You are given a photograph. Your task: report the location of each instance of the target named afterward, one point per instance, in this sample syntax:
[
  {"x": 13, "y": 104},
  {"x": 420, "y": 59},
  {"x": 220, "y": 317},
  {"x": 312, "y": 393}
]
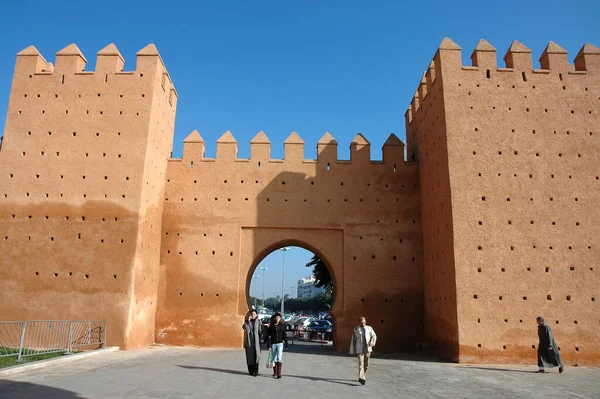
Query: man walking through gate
[{"x": 362, "y": 344}]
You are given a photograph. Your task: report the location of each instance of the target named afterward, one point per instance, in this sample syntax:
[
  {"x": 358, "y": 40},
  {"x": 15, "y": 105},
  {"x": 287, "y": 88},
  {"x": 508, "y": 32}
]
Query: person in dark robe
[
  {"x": 548, "y": 354},
  {"x": 252, "y": 335}
]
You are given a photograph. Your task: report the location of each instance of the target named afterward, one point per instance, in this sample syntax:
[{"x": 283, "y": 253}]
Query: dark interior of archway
[{"x": 303, "y": 280}]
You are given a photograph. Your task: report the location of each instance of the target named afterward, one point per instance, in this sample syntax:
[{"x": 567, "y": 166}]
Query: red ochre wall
[
  {"x": 520, "y": 149},
  {"x": 223, "y": 215},
  {"x": 487, "y": 224},
  {"x": 83, "y": 162}
]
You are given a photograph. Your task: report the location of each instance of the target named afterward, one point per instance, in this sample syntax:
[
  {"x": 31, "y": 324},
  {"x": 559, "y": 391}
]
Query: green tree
[
  {"x": 255, "y": 301},
  {"x": 322, "y": 276},
  {"x": 273, "y": 302}
]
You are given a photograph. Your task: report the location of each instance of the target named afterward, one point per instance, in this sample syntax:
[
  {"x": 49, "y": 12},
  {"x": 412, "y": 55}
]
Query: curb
[{"x": 51, "y": 362}]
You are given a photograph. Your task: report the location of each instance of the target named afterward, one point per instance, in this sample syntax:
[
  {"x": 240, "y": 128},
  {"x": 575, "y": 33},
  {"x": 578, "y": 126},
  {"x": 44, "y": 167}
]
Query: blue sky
[
  {"x": 295, "y": 268},
  {"x": 282, "y": 66}
]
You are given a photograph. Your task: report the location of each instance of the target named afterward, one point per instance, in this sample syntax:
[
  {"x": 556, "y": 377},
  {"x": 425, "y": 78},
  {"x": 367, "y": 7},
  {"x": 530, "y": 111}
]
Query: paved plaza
[{"x": 309, "y": 372}]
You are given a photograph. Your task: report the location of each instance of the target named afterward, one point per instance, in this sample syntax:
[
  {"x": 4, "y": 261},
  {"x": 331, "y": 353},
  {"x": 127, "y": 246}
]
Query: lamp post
[
  {"x": 255, "y": 308},
  {"x": 284, "y": 250},
  {"x": 263, "y": 296}
]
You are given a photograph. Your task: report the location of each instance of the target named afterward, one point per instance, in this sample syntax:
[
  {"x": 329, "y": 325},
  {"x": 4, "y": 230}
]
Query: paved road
[{"x": 168, "y": 372}]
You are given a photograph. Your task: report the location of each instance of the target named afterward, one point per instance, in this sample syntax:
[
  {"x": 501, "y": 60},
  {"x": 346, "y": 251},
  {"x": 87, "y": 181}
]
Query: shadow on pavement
[
  {"x": 15, "y": 389},
  {"x": 310, "y": 348},
  {"x": 332, "y": 380},
  {"x": 238, "y": 372},
  {"x": 500, "y": 369}
]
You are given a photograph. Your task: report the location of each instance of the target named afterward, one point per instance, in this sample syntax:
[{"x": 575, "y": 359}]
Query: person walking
[
  {"x": 252, "y": 335},
  {"x": 272, "y": 320},
  {"x": 548, "y": 353},
  {"x": 277, "y": 337},
  {"x": 362, "y": 344}
]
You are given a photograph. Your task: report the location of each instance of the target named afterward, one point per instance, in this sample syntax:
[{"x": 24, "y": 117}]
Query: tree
[
  {"x": 273, "y": 303},
  {"x": 255, "y": 301},
  {"x": 322, "y": 276}
]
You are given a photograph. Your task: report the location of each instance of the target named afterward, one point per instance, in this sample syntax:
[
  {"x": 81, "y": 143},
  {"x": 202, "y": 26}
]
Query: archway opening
[{"x": 298, "y": 283}]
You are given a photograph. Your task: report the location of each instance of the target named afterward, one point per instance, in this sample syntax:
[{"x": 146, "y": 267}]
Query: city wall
[
  {"x": 222, "y": 216},
  {"x": 509, "y": 164},
  {"x": 83, "y": 163},
  {"x": 489, "y": 221}
]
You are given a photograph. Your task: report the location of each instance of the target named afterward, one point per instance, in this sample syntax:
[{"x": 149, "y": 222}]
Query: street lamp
[
  {"x": 255, "y": 308},
  {"x": 263, "y": 270},
  {"x": 284, "y": 250}
]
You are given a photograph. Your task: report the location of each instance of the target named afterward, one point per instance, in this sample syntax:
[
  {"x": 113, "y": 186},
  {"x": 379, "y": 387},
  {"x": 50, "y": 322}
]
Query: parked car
[
  {"x": 300, "y": 327},
  {"x": 318, "y": 328},
  {"x": 265, "y": 322}
]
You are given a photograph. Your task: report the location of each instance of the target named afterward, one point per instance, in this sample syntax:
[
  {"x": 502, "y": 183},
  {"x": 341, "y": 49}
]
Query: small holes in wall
[
  {"x": 549, "y": 297},
  {"x": 87, "y": 276}
]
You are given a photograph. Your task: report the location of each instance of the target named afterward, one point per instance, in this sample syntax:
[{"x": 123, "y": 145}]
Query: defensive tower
[
  {"x": 83, "y": 160},
  {"x": 509, "y": 190}
]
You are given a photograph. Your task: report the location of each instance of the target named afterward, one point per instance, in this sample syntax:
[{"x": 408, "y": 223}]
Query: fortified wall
[
  {"x": 509, "y": 189},
  {"x": 222, "y": 216},
  {"x": 488, "y": 223},
  {"x": 83, "y": 162}
]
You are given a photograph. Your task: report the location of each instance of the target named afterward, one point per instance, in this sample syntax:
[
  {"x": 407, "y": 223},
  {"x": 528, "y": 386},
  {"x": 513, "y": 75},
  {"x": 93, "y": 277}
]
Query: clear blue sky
[
  {"x": 290, "y": 65},
  {"x": 295, "y": 268}
]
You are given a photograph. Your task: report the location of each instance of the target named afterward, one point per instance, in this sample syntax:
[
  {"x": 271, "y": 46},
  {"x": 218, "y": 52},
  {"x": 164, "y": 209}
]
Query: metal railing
[
  {"x": 37, "y": 337},
  {"x": 306, "y": 335}
]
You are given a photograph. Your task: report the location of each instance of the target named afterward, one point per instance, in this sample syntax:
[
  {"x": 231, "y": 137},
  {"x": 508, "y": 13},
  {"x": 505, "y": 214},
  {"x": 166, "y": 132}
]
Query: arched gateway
[
  {"x": 493, "y": 221},
  {"x": 222, "y": 216}
]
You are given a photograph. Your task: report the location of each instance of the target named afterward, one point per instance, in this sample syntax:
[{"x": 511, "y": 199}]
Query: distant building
[{"x": 307, "y": 289}]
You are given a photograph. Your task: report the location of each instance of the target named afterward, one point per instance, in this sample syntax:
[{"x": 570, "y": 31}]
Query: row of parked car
[{"x": 303, "y": 327}]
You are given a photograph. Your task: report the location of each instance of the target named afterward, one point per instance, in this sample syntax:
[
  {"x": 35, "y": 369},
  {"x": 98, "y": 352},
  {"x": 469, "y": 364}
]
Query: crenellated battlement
[
  {"x": 518, "y": 61},
  {"x": 194, "y": 149},
  {"x": 71, "y": 61}
]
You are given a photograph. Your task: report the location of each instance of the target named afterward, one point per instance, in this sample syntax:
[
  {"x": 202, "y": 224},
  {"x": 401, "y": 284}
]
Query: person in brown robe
[
  {"x": 252, "y": 335},
  {"x": 548, "y": 353}
]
